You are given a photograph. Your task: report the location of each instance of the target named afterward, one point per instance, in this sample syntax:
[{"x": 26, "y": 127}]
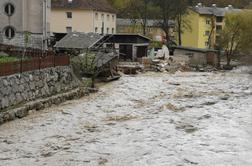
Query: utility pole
[{"x": 44, "y": 42}]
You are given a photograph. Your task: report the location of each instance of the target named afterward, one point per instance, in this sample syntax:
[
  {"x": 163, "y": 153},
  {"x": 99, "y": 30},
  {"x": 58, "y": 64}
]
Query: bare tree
[
  {"x": 181, "y": 23},
  {"x": 166, "y": 14},
  {"x": 141, "y": 10}
]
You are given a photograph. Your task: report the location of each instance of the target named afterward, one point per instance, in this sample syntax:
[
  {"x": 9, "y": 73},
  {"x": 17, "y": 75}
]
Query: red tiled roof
[{"x": 99, "y": 5}]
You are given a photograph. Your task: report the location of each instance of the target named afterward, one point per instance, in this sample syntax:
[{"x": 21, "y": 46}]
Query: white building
[
  {"x": 25, "y": 22},
  {"x": 83, "y": 16}
]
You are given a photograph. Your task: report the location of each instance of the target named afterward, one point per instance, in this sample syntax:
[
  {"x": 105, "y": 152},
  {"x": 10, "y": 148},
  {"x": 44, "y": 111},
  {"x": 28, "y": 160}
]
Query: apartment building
[
  {"x": 25, "y": 23},
  {"x": 95, "y": 16},
  {"x": 206, "y": 24}
]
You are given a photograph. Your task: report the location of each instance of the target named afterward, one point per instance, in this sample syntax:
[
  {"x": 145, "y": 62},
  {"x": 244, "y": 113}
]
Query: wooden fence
[
  {"x": 35, "y": 60},
  {"x": 35, "y": 63}
]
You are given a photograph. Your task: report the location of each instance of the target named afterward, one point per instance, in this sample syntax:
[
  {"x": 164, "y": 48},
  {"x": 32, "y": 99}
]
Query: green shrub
[
  {"x": 156, "y": 44},
  {"x": 83, "y": 64}
]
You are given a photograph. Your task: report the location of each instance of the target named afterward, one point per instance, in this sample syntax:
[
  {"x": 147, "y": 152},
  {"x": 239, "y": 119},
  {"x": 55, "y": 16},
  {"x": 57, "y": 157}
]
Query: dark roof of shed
[
  {"x": 216, "y": 11},
  {"x": 78, "y": 40},
  {"x": 99, "y": 5},
  {"x": 128, "y": 39}
]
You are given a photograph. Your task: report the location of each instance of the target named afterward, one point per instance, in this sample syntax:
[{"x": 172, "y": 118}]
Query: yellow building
[
  {"x": 206, "y": 24},
  {"x": 95, "y": 16},
  {"x": 153, "y": 31}
]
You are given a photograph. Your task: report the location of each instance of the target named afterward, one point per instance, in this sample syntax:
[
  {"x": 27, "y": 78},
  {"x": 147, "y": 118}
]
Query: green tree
[
  {"x": 236, "y": 36},
  {"x": 121, "y": 6}
]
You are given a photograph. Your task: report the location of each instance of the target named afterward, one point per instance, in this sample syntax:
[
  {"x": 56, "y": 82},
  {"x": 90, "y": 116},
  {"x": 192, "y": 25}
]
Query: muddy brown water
[{"x": 152, "y": 119}]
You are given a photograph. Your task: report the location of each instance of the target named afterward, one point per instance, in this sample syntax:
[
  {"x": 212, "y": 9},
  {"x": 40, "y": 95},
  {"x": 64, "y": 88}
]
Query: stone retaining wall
[
  {"x": 29, "y": 86},
  {"x": 40, "y": 104}
]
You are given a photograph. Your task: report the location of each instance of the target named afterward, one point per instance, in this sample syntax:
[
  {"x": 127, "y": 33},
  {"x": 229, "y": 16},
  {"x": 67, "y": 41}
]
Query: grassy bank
[{"x": 7, "y": 59}]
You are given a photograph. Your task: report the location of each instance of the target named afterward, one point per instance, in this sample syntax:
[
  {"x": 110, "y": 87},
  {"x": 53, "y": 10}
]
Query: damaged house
[
  {"x": 97, "y": 59},
  {"x": 130, "y": 47}
]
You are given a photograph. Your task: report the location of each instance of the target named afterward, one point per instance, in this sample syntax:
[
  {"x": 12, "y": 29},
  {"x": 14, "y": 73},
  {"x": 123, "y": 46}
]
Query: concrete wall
[
  {"x": 37, "y": 84},
  {"x": 82, "y": 21},
  {"x": 35, "y": 15},
  {"x": 16, "y": 19},
  {"x": 28, "y": 17},
  {"x": 35, "y": 40},
  {"x": 195, "y": 58}
]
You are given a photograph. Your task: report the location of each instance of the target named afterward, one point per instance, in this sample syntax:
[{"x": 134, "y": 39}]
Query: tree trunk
[
  {"x": 179, "y": 31},
  {"x": 228, "y": 59},
  {"x": 167, "y": 34},
  {"x": 219, "y": 59},
  {"x": 144, "y": 28},
  {"x": 145, "y": 18}
]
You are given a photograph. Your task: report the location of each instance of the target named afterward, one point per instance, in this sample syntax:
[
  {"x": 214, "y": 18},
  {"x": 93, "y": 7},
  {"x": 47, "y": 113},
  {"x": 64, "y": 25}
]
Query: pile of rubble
[
  {"x": 178, "y": 63},
  {"x": 130, "y": 67},
  {"x": 169, "y": 65}
]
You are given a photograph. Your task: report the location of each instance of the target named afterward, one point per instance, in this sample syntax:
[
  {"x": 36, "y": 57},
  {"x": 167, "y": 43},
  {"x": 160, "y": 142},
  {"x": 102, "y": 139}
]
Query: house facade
[
  {"x": 86, "y": 16},
  {"x": 153, "y": 31},
  {"x": 206, "y": 24},
  {"x": 25, "y": 23}
]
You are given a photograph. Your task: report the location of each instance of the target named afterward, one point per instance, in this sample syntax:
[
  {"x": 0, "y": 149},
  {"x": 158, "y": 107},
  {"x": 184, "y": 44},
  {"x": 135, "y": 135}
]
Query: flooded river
[{"x": 152, "y": 119}]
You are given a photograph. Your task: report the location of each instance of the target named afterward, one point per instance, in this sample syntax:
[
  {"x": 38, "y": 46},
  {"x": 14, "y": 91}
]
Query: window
[
  {"x": 218, "y": 39},
  {"x": 69, "y": 14},
  {"x": 9, "y": 9},
  {"x": 219, "y": 19},
  {"x": 113, "y": 18},
  {"x": 113, "y": 31},
  {"x": 206, "y": 43},
  {"x": 107, "y": 30},
  {"x": 207, "y": 33},
  {"x": 102, "y": 16},
  {"x": 9, "y": 32},
  {"x": 96, "y": 30},
  {"x": 68, "y": 29},
  {"x": 102, "y": 30},
  {"x": 96, "y": 16},
  {"x": 108, "y": 17},
  {"x": 208, "y": 21},
  {"x": 218, "y": 27}
]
